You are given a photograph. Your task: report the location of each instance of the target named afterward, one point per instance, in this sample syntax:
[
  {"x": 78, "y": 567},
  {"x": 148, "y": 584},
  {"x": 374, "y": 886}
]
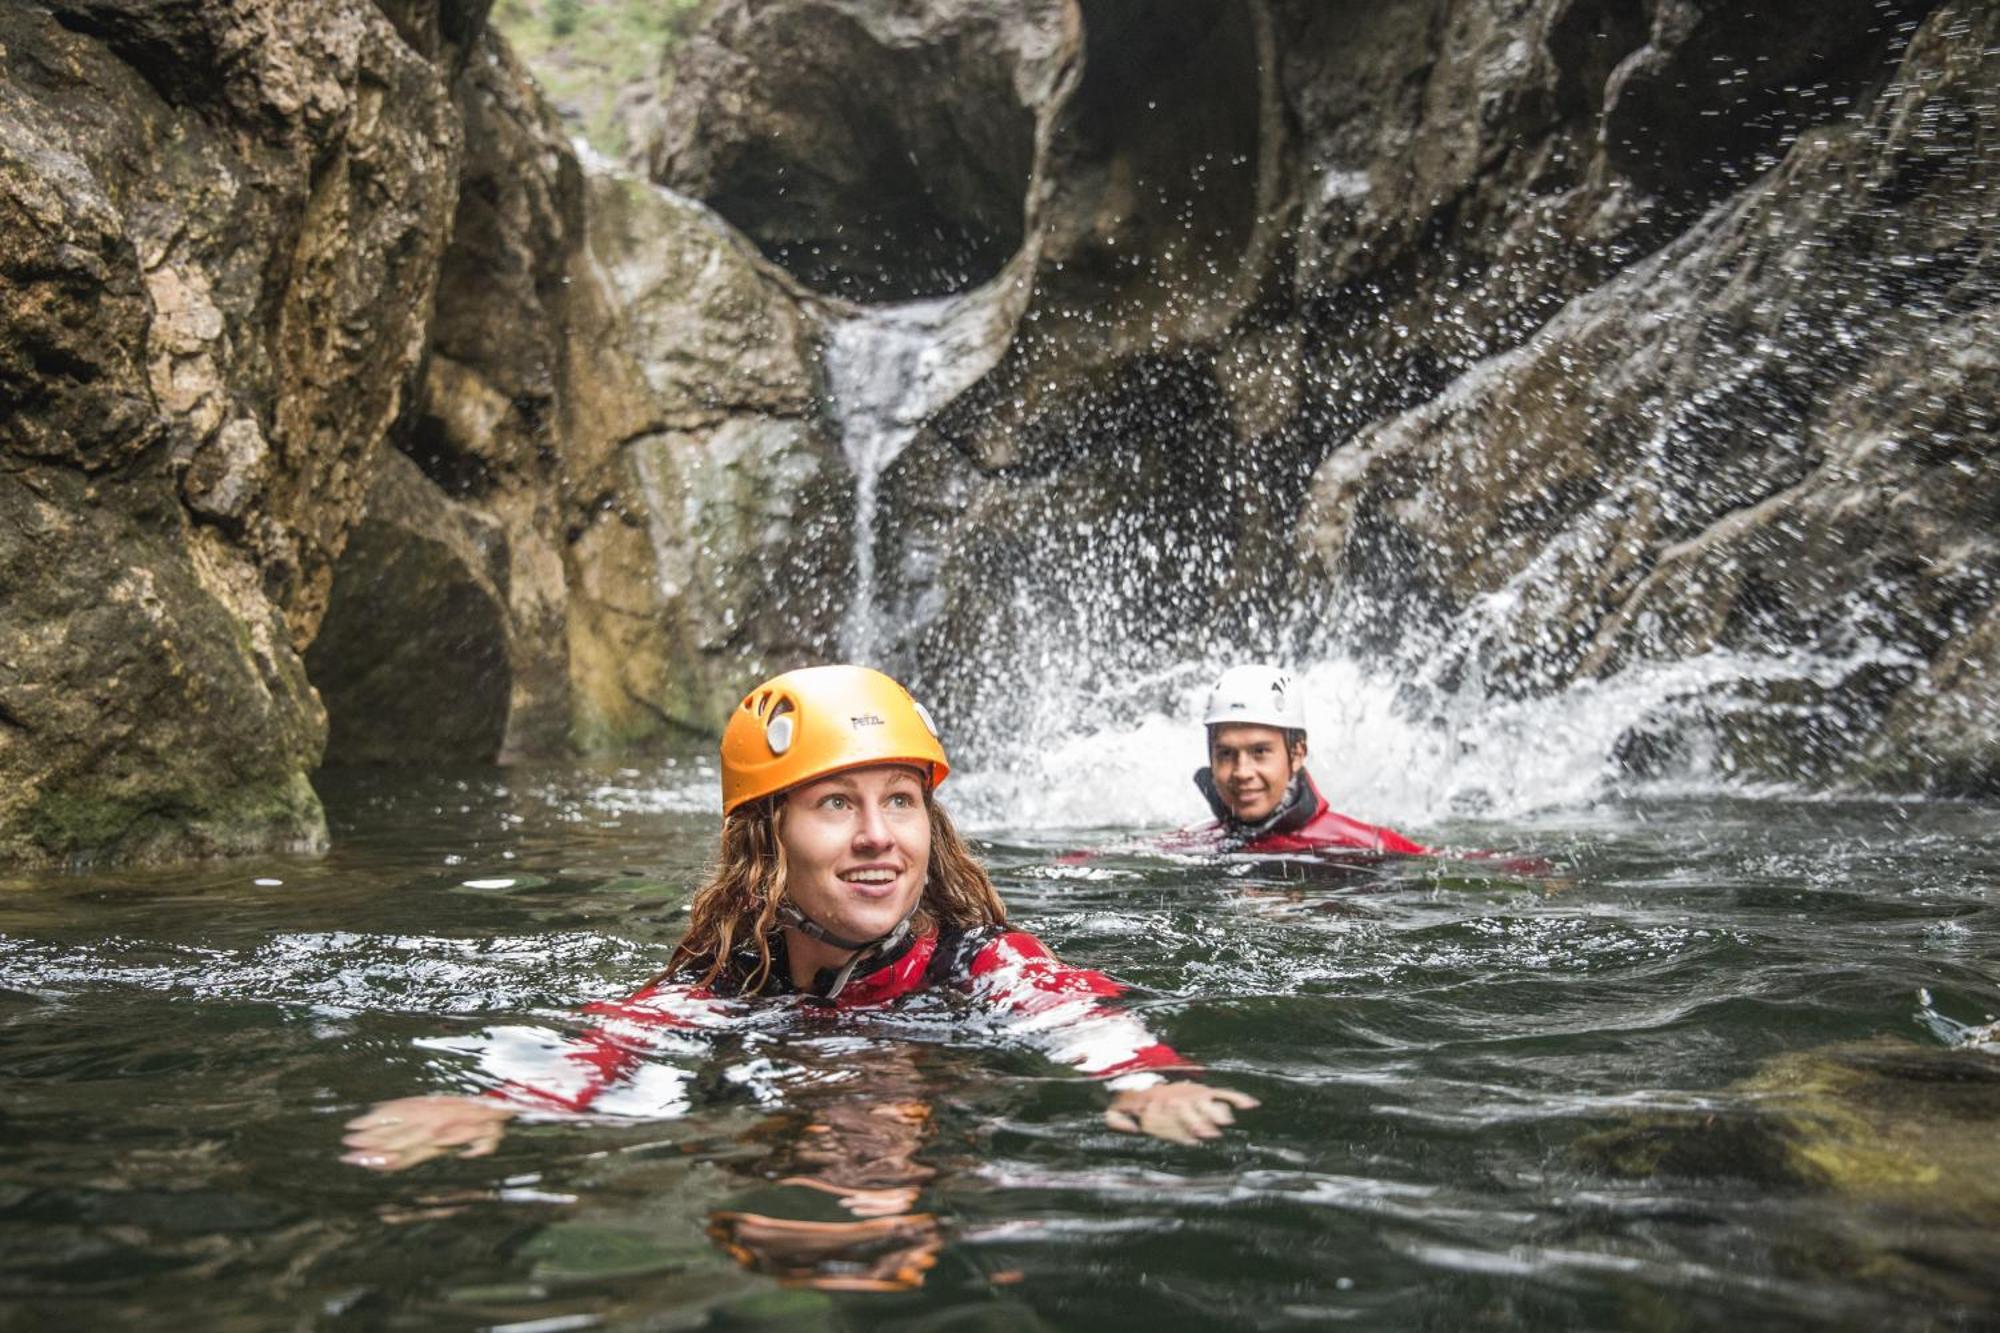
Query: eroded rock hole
[
  {"x": 1587, "y": 40},
  {"x": 873, "y": 170},
  {"x": 1157, "y": 158}
]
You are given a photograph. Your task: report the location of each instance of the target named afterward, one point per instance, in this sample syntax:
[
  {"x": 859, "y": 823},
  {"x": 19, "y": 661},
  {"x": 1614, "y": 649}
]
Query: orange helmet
[{"x": 808, "y": 723}]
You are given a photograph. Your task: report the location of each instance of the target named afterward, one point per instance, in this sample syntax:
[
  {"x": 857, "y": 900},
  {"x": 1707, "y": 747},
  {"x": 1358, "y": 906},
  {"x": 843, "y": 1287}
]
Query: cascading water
[{"x": 888, "y": 370}]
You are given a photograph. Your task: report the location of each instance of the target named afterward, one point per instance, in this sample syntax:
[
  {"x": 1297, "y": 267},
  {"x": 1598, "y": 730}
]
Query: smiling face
[
  {"x": 856, "y": 848},
  {"x": 1252, "y": 767}
]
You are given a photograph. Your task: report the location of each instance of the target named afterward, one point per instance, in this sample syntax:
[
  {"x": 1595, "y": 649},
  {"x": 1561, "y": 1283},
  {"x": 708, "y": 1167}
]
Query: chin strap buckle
[{"x": 790, "y": 915}]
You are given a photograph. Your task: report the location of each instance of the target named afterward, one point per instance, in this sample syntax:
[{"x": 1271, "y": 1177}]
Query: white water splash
[{"x": 1381, "y": 750}]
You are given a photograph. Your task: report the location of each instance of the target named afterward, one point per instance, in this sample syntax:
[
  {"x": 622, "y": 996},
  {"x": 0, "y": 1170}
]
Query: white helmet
[{"x": 1259, "y": 695}]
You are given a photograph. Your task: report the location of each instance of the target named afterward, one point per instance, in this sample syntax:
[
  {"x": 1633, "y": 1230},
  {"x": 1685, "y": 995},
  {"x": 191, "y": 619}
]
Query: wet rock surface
[
  {"x": 1435, "y": 185},
  {"x": 1464, "y": 170},
  {"x": 219, "y": 227},
  {"x": 1772, "y": 438}
]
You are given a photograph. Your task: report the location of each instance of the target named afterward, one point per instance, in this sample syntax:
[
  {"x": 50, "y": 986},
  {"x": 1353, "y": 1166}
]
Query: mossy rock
[
  {"x": 789, "y": 1309},
  {"x": 1884, "y": 1123},
  {"x": 588, "y": 1252}
]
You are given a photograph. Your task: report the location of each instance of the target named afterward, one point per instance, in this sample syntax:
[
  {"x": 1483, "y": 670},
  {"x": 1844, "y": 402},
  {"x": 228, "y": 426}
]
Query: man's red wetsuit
[
  {"x": 1064, "y": 1011},
  {"x": 1303, "y": 822}
]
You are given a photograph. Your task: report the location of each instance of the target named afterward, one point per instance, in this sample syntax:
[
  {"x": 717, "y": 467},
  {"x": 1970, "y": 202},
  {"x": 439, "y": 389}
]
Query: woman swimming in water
[{"x": 840, "y": 883}]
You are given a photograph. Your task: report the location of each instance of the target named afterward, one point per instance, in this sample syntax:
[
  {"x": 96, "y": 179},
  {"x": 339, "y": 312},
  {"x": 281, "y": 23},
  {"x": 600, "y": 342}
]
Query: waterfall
[{"x": 888, "y": 370}]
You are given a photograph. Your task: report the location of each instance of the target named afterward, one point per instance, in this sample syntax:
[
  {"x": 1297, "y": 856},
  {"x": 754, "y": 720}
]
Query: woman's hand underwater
[
  {"x": 1179, "y": 1112},
  {"x": 401, "y": 1133}
]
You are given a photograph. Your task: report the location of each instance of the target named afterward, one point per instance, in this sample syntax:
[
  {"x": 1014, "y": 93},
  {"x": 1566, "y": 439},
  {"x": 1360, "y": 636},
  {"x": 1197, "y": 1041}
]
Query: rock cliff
[
  {"x": 219, "y": 233},
  {"x": 329, "y": 436}
]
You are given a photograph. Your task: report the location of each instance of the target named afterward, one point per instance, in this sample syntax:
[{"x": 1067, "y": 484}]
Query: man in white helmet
[{"x": 1256, "y": 780}]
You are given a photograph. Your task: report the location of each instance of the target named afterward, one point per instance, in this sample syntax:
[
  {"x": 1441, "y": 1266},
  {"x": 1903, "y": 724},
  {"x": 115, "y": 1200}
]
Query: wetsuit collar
[{"x": 1301, "y": 802}]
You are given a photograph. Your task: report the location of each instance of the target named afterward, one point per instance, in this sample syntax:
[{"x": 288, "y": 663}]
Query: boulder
[
  {"x": 444, "y": 32},
  {"x": 1937, "y": 735},
  {"x": 624, "y": 392}
]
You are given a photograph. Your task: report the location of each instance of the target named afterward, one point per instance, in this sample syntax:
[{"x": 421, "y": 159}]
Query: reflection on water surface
[{"x": 1719, "y": 1068}]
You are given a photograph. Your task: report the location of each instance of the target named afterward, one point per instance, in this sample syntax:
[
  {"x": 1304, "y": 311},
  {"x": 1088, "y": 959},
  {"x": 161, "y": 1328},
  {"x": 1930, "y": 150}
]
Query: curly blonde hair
[{"x": 736, "y": 908}]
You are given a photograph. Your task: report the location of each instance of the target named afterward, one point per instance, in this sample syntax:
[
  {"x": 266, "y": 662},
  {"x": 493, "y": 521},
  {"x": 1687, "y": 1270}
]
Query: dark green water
[{"x": 1715, "y": 1074}]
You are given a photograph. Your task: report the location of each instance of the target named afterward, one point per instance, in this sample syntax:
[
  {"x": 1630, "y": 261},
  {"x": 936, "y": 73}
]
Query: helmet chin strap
[{"x": 790, "y": 915}]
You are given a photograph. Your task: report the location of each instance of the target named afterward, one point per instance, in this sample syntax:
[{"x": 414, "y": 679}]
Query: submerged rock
[
  {"x": 1903, "y": 1132},
  {"x": 1886, "y": 1122}
]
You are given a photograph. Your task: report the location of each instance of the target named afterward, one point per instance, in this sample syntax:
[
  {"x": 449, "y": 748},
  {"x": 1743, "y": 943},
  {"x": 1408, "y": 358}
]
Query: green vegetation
[{"x": 589, "y": 54}]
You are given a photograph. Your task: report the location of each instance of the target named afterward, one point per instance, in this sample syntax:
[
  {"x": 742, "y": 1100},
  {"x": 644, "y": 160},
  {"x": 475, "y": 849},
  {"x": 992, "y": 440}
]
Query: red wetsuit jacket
[
  {"x": 1303, "y": 822},
  {"x": 1065, "y": 1011}
]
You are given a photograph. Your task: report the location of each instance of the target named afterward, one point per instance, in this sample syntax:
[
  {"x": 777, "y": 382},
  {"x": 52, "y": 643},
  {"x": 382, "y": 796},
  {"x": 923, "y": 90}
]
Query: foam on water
[{"x": 334, "y": 971}]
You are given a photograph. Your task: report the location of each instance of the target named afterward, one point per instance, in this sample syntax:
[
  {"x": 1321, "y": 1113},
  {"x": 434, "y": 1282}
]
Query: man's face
[{"x": 1252, "y": 767}]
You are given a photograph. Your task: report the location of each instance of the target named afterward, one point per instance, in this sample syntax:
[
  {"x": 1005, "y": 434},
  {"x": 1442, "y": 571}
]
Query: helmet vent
[
  {"x": 925, "y": 714},
  {"x": 778, "y": 727}
]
